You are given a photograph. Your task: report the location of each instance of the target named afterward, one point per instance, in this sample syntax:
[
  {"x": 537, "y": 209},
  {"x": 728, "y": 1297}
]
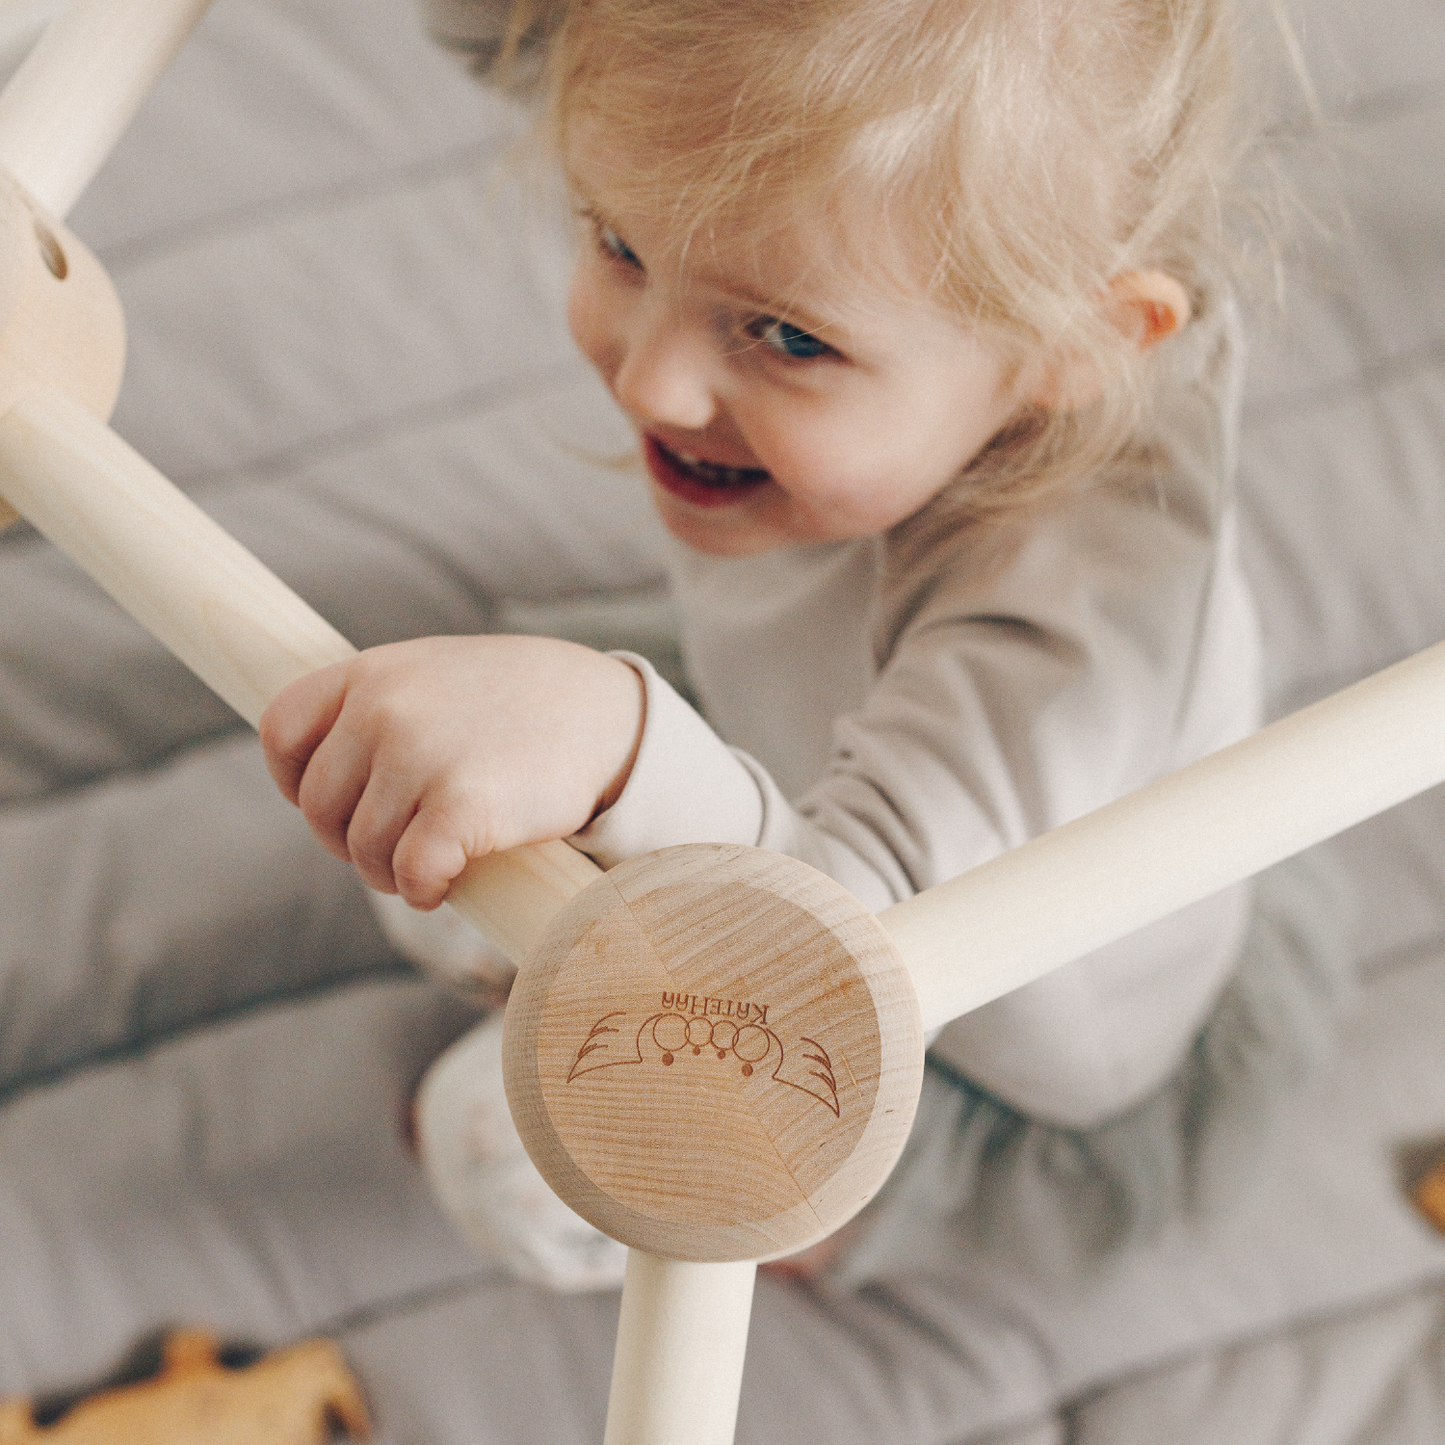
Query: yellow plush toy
[{"x": 295, "y": 1396}]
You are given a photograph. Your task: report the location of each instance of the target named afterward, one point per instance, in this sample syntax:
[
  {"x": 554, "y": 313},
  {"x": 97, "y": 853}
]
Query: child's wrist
[{"x": 632, "y": 715}]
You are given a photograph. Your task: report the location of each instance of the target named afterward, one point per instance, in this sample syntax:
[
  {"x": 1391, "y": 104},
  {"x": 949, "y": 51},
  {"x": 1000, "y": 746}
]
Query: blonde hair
[{"x": 1023, "y": 153}]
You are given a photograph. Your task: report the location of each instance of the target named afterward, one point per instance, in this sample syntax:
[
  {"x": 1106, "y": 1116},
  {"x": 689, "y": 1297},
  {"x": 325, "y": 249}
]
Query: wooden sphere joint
[
  {"x": 61, "y": 324},
  {"x": 714, "y": 1053}
]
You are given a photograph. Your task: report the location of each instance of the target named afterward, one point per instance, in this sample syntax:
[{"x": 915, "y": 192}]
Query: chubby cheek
[{"x": 836, "y": 485}]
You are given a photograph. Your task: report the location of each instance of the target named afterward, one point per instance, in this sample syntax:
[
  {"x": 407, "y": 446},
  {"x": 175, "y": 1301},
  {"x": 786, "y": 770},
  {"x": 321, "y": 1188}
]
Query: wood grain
[{"x": 714, "y": 1054}]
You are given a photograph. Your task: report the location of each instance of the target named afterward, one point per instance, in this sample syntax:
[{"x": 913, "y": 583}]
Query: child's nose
[{"x": 663, "y": 379}]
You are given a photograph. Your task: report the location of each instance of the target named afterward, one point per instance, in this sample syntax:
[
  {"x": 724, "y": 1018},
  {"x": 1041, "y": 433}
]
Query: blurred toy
[
  {"x": 296, "y": 1396},
  {"x": 1428, "y": 1195}
]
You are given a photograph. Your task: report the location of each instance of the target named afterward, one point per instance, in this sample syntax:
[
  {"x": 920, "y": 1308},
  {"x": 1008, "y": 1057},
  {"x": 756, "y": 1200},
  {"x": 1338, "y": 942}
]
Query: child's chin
[{"x": 715, "y": 535}]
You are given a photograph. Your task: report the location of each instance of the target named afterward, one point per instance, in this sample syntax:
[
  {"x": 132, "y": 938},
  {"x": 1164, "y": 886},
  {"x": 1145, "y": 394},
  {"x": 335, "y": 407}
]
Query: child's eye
[
  {"x": 790, "y": 340},
  {"x": 613, "y": 246}
]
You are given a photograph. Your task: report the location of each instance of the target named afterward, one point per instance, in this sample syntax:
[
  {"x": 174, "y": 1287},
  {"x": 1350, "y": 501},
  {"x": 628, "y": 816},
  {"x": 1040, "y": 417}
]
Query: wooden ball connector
[
  {"x": 714, "y": 1053},
  {"x": 61, "y": 324}
]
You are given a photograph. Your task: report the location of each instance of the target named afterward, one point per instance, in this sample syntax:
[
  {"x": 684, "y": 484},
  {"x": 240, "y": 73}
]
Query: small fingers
[
  {"x": 429, "y": 855},
  {"x": 297, "y": 721},
  {"x": 371, "y": 831},
  {"x": 331, "y": 789}
]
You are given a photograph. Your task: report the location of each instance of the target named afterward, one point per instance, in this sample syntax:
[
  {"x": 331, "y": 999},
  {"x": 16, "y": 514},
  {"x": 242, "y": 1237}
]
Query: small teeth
[{"x": 714, "y": 474}]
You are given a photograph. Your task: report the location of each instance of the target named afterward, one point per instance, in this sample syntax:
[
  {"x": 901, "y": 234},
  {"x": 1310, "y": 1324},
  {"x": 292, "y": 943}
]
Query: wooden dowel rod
[
  {"x": 967, "y": 941},
  {"x": 1293, "y": 784},
  {"x": 226, "y": 616},
  {"x": 681, "y": 1339},
  {"x": 683, "y": 1331},
  {"x": 67, "y": 104}
]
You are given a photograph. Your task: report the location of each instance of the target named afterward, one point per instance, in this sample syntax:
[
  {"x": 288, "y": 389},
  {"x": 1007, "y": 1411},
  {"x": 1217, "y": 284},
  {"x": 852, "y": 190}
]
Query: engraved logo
[{"x": 735, "y": 1033}]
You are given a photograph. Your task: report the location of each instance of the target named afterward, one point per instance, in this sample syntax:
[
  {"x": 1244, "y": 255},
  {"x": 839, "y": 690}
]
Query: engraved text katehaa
[{"x": 696, "y": 1003}]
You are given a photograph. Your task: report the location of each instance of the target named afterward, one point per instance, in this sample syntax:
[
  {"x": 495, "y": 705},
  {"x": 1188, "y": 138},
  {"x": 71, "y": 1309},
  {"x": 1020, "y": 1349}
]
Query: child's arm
[
  {"x": 1001, "y": 711},
  {"x": 1075, "y": 1048},
  {"x": 1118, "y": 645},
  {"x": 413, "y": 758}
]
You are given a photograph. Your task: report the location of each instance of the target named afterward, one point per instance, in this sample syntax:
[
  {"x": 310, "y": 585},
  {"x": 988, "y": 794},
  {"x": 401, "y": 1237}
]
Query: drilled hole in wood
[{"x": 51, "y": 253}]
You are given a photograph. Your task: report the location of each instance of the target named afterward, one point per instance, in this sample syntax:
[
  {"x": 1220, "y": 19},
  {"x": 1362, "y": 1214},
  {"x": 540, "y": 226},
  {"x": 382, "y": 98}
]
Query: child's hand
[{"x": 411, "y": 759}]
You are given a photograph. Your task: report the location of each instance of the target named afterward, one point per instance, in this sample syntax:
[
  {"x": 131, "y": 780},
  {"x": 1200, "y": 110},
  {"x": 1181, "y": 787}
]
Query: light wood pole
[
  {"x": 1224, "y": 818},
  {"x": 68, "y": 103},
  {"x": 712, "y": 1052}
]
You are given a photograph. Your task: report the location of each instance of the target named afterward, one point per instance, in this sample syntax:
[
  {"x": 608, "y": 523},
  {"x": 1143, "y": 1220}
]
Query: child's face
[{"x": 774, "y": 409}]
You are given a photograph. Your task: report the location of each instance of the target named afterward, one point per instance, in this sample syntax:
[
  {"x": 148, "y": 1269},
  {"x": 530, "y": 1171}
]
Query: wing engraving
[
  {"x": 596, "y": 1050},
  {"x": 818, "y": 1081}
]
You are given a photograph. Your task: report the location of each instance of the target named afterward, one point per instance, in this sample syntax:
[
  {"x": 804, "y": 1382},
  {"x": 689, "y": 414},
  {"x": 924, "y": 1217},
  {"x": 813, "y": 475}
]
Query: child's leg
[{"x": 487, "y": 1184}]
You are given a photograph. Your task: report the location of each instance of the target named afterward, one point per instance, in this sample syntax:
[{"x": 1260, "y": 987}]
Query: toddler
[{"x": 920, "y": 311}]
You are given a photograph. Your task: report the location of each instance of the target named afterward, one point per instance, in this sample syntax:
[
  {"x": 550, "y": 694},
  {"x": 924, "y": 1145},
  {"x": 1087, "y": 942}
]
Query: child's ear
[
  {"x": 1144, "y": 307},
  {"x": 1147, "y": 306}
]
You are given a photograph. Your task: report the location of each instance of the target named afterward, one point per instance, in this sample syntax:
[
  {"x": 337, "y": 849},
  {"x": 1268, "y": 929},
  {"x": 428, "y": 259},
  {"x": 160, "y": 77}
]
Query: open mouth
[{"x": 703, "y": 483}]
